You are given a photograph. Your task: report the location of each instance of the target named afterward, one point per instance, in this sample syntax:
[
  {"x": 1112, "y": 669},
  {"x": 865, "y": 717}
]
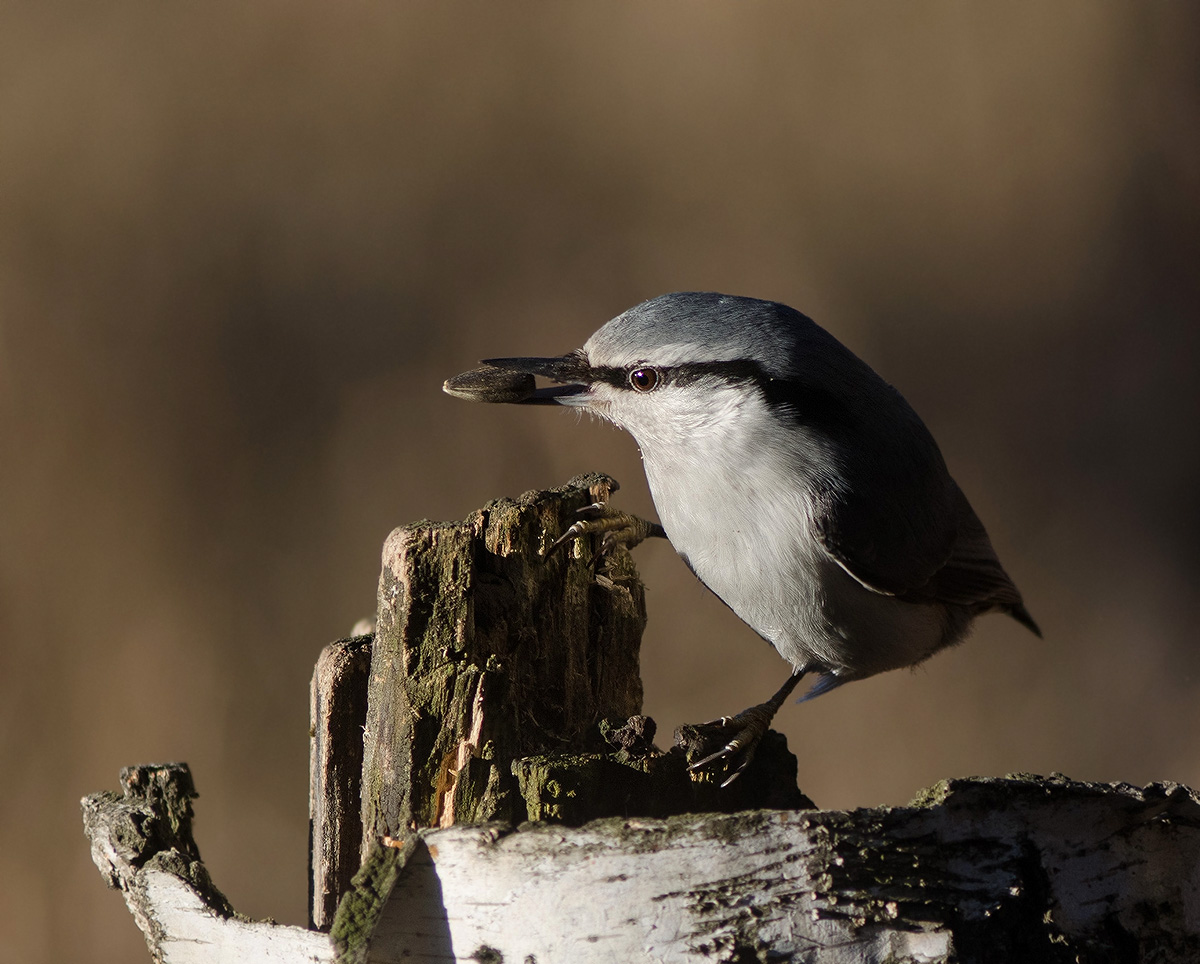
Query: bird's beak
[{"x": 571, "y": 372}]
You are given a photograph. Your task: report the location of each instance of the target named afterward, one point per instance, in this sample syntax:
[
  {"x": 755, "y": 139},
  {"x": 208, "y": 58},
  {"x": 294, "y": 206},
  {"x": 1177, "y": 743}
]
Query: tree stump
[
  {"x": 489, "y": 649},
  {"x": 503, "y": 685},
  {"x": 484, "y": 752}
]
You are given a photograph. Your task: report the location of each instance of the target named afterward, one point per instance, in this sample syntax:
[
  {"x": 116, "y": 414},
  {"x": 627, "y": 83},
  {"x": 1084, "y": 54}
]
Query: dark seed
[{"x": 489, "y": 384}]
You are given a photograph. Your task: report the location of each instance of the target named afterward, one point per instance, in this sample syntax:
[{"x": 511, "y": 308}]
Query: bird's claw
[
  {"x": 748, "y": 729},
  {"x": 616, "y": 528}
]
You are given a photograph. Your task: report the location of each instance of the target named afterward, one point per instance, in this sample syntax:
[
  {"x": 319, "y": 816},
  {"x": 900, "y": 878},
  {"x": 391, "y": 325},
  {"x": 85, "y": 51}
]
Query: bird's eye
[{"x": 643, "y": 379}]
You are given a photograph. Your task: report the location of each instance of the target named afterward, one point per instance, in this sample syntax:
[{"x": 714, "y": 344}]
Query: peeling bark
[{"x": 1020, "y": 869}]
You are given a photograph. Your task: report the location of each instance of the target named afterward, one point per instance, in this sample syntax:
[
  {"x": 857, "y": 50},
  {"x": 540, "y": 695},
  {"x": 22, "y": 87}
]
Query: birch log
[{"x": 1021, "y": 869}]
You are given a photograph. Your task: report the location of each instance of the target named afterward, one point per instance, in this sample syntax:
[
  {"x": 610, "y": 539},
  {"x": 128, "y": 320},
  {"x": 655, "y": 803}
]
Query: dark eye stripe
[
  {"x": 609, "y": 375},
  {"x": 731, "y": 371},
  {"x": 790, "y": 399}
]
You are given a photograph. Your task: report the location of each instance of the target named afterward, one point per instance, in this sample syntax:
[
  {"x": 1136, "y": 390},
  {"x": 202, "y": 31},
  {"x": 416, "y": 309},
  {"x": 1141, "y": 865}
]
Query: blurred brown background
[{"x": 242, "y": 246}]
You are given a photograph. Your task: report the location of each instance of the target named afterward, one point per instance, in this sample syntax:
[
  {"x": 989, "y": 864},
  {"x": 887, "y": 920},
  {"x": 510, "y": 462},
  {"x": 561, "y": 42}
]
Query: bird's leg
[
  {"x": 616, "y": 528},
  {"x": 748, "y": 728}
]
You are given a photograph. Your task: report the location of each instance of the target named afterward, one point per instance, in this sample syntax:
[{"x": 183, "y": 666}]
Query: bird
[{"x": 795, "y": 483}]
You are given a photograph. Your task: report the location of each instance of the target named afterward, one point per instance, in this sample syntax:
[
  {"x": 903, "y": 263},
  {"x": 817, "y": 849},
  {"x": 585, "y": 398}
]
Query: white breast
[{"x": 737, "y": 505}]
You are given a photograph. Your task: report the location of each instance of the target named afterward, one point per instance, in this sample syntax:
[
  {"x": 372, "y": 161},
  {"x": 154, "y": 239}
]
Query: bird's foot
[
  {"x": 615, "y": 528},
  {"x": 732, "y": 738},
  {"x": 736, "y": 737}
]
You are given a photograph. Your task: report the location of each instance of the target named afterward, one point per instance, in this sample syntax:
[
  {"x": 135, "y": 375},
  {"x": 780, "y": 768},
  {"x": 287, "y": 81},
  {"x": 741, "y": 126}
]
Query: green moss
[
  {"x": 933, "y": 796},
  {"x": 359, "y": 909}
]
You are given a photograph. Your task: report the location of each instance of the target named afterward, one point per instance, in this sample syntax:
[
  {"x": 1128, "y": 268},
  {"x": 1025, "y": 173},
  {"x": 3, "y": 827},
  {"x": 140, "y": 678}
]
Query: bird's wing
[
  {"x": 918, "y": 559},
  {"x": 891, "y": 524},
  {"x": 973, "y": 576}
]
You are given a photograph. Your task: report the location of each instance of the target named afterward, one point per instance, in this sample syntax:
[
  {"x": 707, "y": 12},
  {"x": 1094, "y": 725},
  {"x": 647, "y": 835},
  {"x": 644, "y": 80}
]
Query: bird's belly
[{"x": 760, "y": 557}]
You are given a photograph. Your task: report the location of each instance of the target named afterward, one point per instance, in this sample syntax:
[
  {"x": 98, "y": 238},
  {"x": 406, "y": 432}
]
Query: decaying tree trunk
[
  {"x": 488, "y": 649},
  {"x": 483, "y": 751}
]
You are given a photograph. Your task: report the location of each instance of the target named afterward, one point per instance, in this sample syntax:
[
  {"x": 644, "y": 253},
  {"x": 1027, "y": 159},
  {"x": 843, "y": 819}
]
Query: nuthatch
[{"x": 795, "y": 482}]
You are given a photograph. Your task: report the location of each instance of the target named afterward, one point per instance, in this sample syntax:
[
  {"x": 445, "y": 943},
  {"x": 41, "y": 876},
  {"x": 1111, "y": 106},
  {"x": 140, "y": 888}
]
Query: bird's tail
[{"x": 1021, "y": 615}]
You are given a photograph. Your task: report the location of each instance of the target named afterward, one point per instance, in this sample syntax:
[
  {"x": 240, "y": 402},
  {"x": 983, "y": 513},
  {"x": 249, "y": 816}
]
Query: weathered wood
[
  {"x": 338, "y": 707},
  {"x": 1021, "y": 869},
  {"x": 142, "y": 844},
  {"x": 489, "y": 649},
  {"x": 573, "y": 789}
]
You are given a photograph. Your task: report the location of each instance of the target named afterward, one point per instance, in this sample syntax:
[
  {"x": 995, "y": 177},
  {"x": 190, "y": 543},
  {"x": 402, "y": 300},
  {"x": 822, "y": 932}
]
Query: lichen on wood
[
  {"x": 573, "y": 789},
  {"x": 1040, "y": 870}
]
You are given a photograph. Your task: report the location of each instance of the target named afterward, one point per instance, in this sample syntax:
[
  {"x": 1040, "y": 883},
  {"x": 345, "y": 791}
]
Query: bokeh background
[{"x": 242, "y": 245}]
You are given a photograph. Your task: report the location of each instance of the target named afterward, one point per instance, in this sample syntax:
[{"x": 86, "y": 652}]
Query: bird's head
[{"x": 674, "y": 366}]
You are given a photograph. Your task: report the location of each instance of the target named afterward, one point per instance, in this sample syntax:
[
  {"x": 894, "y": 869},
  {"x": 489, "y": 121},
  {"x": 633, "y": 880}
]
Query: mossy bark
[{"x": 489, "y": 648}]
